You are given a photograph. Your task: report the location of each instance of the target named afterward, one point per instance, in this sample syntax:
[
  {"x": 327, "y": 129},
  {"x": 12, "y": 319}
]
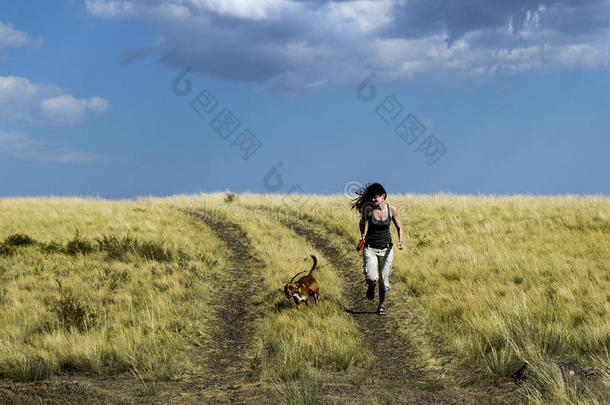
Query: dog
[{"x": 306, "y": 287}]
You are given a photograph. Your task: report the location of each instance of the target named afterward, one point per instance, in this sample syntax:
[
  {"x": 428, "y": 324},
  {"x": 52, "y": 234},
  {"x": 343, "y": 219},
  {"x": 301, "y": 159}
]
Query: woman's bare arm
[{"x": 398, "y": 225}]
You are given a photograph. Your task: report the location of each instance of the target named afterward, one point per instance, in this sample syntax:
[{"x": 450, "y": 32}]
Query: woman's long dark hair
[{"x": 366, "y": 194}]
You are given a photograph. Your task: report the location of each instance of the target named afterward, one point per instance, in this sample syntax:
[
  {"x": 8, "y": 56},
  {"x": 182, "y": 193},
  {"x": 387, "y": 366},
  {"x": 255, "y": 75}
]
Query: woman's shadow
[{"x": 355, "y": 312}]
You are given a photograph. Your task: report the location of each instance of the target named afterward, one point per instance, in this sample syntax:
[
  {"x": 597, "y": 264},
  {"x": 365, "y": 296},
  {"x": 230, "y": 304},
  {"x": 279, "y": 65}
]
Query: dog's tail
[{"x": 315, "y": 264}]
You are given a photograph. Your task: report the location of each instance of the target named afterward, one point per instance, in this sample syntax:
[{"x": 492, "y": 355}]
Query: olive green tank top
[{"x": 378, "y": 232}]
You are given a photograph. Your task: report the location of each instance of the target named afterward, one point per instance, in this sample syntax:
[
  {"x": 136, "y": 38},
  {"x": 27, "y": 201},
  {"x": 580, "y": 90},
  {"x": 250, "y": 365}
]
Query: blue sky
[{"x": 498, "y": 97}]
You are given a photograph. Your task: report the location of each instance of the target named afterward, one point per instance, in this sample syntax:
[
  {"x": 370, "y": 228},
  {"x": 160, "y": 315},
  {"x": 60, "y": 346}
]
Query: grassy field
[
  {"x": 102, "y": 287},
  {"x": 501, "y": 290}
]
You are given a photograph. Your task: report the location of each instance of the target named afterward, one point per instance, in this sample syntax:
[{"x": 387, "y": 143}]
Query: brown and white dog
[{"x": 305, "y": 287}]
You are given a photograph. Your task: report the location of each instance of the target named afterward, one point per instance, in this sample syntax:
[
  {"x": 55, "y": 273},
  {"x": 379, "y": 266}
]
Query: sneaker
[
  {"x": 370, "y": 291},
  {"x": 381, "y": 310}
]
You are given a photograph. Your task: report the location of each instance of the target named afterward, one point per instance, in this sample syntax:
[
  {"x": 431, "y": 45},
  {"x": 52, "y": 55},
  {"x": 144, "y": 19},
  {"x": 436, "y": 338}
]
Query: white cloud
[
  {"x": 98, "y": 105},
  {"x": 247, "y": 9},
  {"x": 179, "y": 9},
  {"x": 11, "y": 37},
  {"x": 19, "y": 99},
  {"x": 21, "y": 146},
  {"x": 361, "y": 15},
  {"x": 66, "y": 110},
  {"x": 296, "y": 45},
  {"x": 583, "y": 56},
  {"x": 110, "y": 8},
  {"x": 25, "y": 101},
  {"x": 173, "y": 11}
]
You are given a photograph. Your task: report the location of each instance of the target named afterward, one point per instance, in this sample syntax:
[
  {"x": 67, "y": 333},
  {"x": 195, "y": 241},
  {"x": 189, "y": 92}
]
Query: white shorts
[{"x": 378, "y": 263}]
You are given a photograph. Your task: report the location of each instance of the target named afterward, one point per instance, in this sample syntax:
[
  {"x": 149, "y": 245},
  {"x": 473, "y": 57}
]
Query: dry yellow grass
[
  {"x": 293, "y": 345},
  {"x": 503, "y": 281},
  {"x": 103, "y": 311}
]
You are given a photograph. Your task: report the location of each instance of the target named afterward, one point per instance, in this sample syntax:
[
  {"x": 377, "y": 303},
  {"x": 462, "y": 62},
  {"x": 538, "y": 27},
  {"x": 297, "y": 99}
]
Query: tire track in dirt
[
  {"x": 232, "y": 375},
  {"x": 58, "y": 390},
  {"x": 399, "y": 367}
]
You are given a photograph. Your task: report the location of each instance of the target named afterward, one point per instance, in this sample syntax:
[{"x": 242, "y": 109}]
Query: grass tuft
[
  {"x": 121, "y": 248},
  {"x": 296, "y": 392},
  {"x": 27, "y": 368}
]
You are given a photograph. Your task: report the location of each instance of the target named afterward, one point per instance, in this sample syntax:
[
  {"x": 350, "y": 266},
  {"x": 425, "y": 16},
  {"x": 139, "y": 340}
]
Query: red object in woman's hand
[{"x": 360, "y": 244}]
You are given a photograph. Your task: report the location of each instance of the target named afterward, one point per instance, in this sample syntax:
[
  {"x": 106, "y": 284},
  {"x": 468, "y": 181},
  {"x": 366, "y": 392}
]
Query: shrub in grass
[
  {"x": 51, "y": 247},
  {"x": 78, "y": 245},
  {"x": 118, "y": 248},
  {"x": 18, "y": 239},
  {"x": 74, "y": 312},
  {"x": 230, "y": 197}
]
